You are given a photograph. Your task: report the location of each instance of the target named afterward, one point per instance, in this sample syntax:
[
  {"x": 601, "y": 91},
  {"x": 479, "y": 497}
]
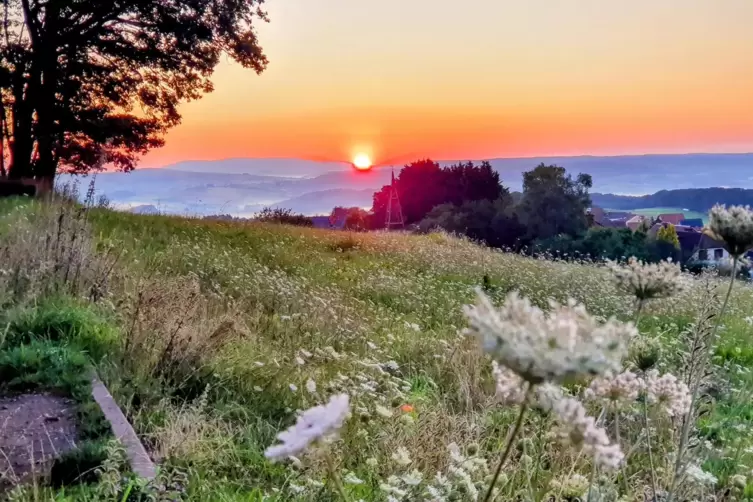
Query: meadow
[{"x": 211, "y": 335}]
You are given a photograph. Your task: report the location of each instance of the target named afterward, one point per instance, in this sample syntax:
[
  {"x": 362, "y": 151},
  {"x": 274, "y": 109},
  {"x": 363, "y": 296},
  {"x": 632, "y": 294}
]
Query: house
[
  {"x": 637, "y": 222},
  {"x": 692, "y": 222},
  {"x": 673, "y": 218},
  {"x": 710, "y": 251}
]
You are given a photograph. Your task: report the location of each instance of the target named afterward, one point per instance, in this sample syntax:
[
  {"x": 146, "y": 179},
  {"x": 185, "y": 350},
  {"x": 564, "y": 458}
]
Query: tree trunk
[{"x": 46, "y": 102}]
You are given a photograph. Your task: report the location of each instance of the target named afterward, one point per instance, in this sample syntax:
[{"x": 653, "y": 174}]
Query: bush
[{"x": 284, "y": 216}]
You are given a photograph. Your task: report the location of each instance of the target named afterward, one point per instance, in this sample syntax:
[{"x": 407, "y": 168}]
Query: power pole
[{"x": 394, "y": 210}]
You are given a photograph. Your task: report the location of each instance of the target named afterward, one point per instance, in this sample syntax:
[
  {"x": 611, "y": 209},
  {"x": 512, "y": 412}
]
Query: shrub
[{"x": 283, "y": 216}]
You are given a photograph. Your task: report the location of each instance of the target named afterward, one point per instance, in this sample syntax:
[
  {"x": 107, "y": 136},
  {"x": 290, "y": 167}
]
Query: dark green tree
[
  {"x": 88, "y": 83},
  {"x": 554, "y": 203}
]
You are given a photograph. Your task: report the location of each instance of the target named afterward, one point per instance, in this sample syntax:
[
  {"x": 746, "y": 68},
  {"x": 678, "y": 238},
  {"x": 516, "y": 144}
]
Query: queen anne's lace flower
[
  {"x": 733, "y": 226},
  {"x": 581, "y": 431},
  {"x": 648, "y": 280},
  {"x": 539, "y": 347},
  {"x": 698, "y": 475},
  {"x": 617, "y": 390},
  {"x": 672, "y": 395},
  {"x": 509, "y": 386},
  {"x": 314, "y": 424}
]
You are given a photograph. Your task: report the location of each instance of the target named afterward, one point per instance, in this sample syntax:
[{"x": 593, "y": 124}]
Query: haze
[{"x": 397, "y": 78}]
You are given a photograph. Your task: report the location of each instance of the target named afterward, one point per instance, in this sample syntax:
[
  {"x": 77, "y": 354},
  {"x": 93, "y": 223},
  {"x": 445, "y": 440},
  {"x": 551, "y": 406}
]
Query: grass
[
  {"x": 656, "y": 211},
  {"x": 208, "y": 334}
]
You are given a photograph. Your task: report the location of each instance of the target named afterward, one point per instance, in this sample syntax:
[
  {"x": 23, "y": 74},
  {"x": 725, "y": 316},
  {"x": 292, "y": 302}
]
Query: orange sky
[{"x": 481, "y": 79}]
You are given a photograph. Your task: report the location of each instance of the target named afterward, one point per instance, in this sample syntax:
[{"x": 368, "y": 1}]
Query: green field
[
  {"x": 223, "y": 330},
  {"x": 656, "y": 211}
]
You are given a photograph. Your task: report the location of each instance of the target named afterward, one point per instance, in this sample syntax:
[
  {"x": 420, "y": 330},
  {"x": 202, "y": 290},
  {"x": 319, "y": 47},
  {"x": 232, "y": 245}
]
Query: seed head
[
  {"x": 672, "y": 395},
  {"x": 733, "y": 226},
  {"x": 548, "y": 347},
  {"x": 618, "y": 390}
]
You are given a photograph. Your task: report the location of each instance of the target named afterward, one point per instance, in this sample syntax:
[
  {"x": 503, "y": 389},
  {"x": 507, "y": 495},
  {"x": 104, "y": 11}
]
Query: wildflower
[
  {"x": 621, "y": 389},
  {"x": 313, "y": 425},
  {"x": 413, "y": 479},
  {"x": 540, "y": 347},
  {"x": 581, "y": 431},
  {"x": 352, "y": 479},
  {"x": 293, "y": 387},
  {"x": 666, "y": 390},
  {"x": 700, "y": 476},
  {"x": 296, "y": 488},
  {"x": 406, "y": 408},
  {"x": 402, "y": 457},
  {"x": 570, "y": 486},
  {"x": 738, "y": 481},
  {"x": 299, "y": 360},
  {"x": 382, "y": 411},
  {"x": 646, "y": 281},
  {"x": 311, "y": 386},
  {"x": 733, "y": 226},
  {"x": 510, "y": 387},
  {"x": 372, "y": 462}
]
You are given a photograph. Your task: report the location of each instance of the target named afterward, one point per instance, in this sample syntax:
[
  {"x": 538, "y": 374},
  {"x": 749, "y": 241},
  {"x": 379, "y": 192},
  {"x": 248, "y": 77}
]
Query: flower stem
[
  {"x": 650, "y": 453},
  {"x": 619, "y": 442},
  {"x": 335, "y": 478},
  {"x": 510, "y": 441},
  {"x": 696, "y": 386}
]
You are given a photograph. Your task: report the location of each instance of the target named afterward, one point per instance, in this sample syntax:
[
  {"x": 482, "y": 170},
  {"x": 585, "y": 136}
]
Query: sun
[{"x": 362, "y": 162}]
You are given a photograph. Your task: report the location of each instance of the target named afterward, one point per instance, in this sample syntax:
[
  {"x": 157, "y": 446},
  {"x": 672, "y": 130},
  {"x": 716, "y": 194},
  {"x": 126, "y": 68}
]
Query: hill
[
  {"x": 696, "y": 199},
  {"x": 225, "y": 329},
  {"x": 228, "y": 186}
]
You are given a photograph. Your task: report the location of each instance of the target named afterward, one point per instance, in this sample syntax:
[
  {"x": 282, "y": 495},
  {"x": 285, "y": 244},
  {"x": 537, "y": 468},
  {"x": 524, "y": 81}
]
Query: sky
[{"x": 403, "y": 79}]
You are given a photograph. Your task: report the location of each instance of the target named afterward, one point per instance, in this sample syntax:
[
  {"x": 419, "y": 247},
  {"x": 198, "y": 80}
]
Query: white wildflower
[
  {"x": 671, "y": 394},
  {"x": 299, "y": 360},
  {"x": 382, "y": 411},
  {"x": 413, "y": 478},
  {"x": 700, "y": 476},
  {"x": 351, "y": 479},
  {"x": 293, "y": 387},
  {"x": 259, "y": 364},
  {"x": 305, "y": 353},
  {"x": 296, "y": 488},
  {"x": 620, "y": 389},
  {"x": 733, "y": 226},
  {"x": 311, "y": 386},
  {"x": 372, "y": 462},
  {"x": 581, "y": 431},
  {"x": 401, "y": 456},
  {"x": 258, "y": 389},
  {"x": 648, "y": 280},
  {"x": 509, "y": 386},
  {"x": 570, "y": 486},
  {"x": 314, "y": 424},
  {"x": 541, "y": 347}
]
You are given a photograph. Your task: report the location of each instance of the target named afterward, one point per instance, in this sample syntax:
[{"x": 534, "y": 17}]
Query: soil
[{"x": 35, "y": 429}]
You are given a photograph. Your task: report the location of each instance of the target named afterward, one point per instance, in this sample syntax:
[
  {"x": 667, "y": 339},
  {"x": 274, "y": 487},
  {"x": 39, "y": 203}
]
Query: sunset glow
[
  {"x": 362, "y": 162},
  {"x": 542, "y": 77}
]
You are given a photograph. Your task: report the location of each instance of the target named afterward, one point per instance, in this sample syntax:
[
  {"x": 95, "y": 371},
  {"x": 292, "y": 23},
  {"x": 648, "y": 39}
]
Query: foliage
[
  {"x": 600, "y": 243},
  {"x": 90, "y": 83},
  {"x": 492, "y": 222},
  {"x": 283, "y": 216},
  {"x": 423, "y": 184},
  {"x": 668, "y": 234},
  {"x": 554, "y": 203},
  {"x": 350, "y": 218}
]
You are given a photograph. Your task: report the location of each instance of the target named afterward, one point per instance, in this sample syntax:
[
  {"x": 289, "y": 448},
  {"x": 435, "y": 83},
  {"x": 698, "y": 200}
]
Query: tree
[
  {"x": 283, "y": 216},
  {"x": 554, "y": 203},
  {"x": 668, "y": 234},
  {"x": 88, "y": 83},
  {"x": 356, "y": 219},
  {"x": 423, "y": 185}
]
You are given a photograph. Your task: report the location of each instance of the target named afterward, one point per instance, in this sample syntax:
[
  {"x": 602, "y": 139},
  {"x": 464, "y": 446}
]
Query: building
[
  {"x": 638, "y": 221},
  {"x": 673, "y": 218},
  {"x": 692, "y": 222}
]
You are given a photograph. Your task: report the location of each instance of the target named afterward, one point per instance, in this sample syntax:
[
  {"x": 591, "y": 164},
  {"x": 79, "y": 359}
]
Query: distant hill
[
  {"x": 235, "y": 186},
  {"x": 694, "y": 199}
]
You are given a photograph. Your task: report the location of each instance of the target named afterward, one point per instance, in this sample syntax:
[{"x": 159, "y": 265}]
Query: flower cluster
[
  {"x": 667, "y": 391},
  {"x": 647, "y": 281},
  {"x": 618, "y": 390},
  {"x": 313, "y": 425},
  {"x": 509, "y": 386},
  {"x": 580, "y": 430},
  {"x": 542, "y": 347},
  {"x": 462, "y": 476},
  {"x": 733, "y": 226}
]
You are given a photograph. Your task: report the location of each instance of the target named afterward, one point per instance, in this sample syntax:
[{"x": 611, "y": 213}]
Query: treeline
[{"x": 694, "y": 199}]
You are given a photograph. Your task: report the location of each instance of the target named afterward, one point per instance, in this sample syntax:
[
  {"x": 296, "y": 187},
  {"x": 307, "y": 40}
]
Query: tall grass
[{"x": 217, "y": 332}]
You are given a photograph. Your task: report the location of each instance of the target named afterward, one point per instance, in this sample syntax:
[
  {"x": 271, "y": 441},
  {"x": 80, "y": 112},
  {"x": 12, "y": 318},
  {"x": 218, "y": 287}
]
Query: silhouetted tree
[
  {"x": 554, "y": 203},
  {"x": 284, "y": 216},
  {"x": 86, "y": 83},
  {"x": 467, "y": 182}
]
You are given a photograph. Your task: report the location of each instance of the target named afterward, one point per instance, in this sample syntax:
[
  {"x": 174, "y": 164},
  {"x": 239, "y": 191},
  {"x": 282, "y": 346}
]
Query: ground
[{"x": 211, "y": 334}]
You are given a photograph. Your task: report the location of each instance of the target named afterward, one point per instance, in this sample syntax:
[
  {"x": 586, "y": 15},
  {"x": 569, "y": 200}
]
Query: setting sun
[{"x": 362, "y": 161}]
